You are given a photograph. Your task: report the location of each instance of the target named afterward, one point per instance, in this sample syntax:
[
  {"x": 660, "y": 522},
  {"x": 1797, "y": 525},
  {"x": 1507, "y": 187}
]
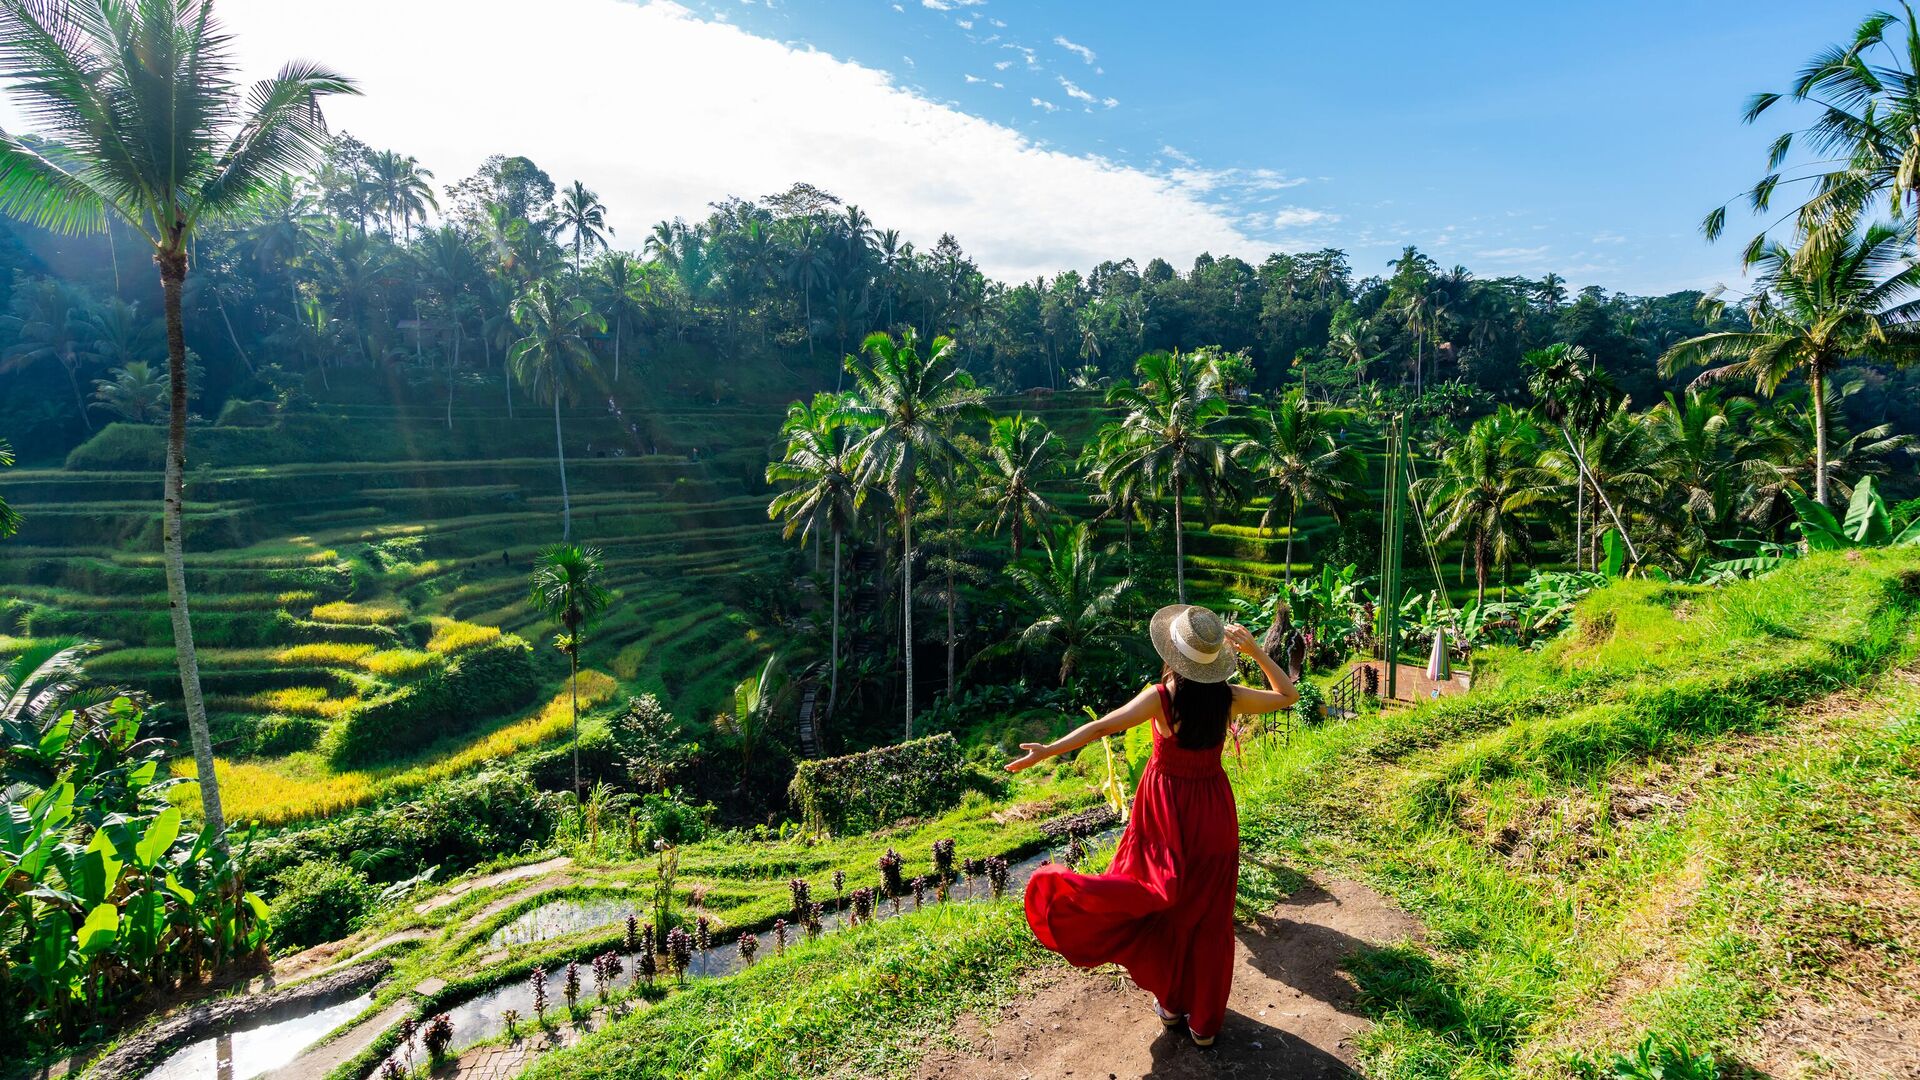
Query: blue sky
[
  {"x": 1512, "y": 137},
  {"x": 1588, "y": 139}
]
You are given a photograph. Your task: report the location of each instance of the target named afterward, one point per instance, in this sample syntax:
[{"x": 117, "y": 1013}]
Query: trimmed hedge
[
  {"x": 482, "y": 683},
  {"x": 864, "y": 791}
]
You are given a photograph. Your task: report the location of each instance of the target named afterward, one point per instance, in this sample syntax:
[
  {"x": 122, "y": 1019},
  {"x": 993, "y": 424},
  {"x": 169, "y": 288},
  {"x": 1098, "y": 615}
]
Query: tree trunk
[
  {"x": 573, "y": 688},
  {"x": 1179, "y": 543},
  {"x": 78, "y": 401},
  {"x": 906, "y": 598},
  {"x": 221, "y": 306},
  {"x": 173, "y": 274},
  {"x": 452, "y": 371},
  {"x": 1293, "y": 509},
  {"x": 833, "y": 646},
  {"x": 1818, "y": 378},
  {"x": 560, "y": 454},
  {"x": 616, "y": 352},
  {"x": 1579, "y": 516},
  {"x": 1480, "y": 571}
]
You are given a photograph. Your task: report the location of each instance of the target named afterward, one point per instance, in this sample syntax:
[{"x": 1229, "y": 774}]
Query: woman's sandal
[
  {"x": 1202, "y": 1042},
  {"x": 1167, "y": 1018}
]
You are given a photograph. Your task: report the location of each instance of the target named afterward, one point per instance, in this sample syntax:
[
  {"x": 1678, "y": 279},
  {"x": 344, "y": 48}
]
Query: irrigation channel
[{"x": 253, "y": 1052}]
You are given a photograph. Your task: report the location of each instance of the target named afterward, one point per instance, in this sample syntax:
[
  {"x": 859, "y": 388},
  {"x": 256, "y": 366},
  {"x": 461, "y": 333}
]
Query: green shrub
[
  {"x": 864, "y": 791},
  {"x": 318, "y": 901},
  {"x": 453, "y": 824},
  {"x": 484, "y": 682},
  {"x": 252, "y": 414},
  {"x": 273, "y": 735},
  {"x": 666, "y": 817}
]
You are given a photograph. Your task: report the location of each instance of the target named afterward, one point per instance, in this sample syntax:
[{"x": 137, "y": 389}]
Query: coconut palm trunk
[
  {"x": 573, "y": 691},
  {"x": 173, "y": 276},
  {"x": 833, "y": 646},
  {"x": 1179, "y": 540},
  {"x": 560, "y": 454},
  {"x": 1293, "y": 510},
  {"x": 73, "y": 380},
  {"x": 906, "y": 598},
  {"x": 1817, "y": 378}
]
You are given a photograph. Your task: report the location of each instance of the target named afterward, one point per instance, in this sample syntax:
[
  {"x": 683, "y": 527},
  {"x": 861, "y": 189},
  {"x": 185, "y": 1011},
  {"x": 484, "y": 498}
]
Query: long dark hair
[{"x": 1200, "y": 710}]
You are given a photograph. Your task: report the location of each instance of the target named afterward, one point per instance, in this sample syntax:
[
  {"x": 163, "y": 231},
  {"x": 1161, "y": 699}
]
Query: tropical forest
[{"x": 450, "y": 629}]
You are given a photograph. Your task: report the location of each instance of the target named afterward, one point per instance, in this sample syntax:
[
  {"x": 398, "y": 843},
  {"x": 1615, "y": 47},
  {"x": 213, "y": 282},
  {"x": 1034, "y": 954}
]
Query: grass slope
[{"x": 1695, "y": 815}]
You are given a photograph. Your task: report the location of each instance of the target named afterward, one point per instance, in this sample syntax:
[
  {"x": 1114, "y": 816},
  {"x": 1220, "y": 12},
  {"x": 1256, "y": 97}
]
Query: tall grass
[{"x": 365, "y": 613}]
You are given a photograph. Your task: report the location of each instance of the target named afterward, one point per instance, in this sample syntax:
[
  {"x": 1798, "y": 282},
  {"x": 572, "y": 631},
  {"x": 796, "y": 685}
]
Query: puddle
[
  {"x": 250, "y": 1052},
  {"x": 479, "y": 1019},
  {"x": 562, "y": 917}
]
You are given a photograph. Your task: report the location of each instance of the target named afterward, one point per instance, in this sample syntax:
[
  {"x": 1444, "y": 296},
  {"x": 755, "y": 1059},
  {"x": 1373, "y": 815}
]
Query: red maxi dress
[{"x": 1164, "y": 910}]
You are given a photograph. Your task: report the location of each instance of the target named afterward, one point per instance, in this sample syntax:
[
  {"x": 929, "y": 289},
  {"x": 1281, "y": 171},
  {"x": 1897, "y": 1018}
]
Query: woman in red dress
[{"x": 1164, "y": 910}]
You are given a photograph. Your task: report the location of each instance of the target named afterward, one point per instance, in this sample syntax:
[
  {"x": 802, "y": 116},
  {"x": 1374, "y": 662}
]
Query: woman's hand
[
  {"x": 1035, "y": 754},
  {"x": 1241, "y": 639}
]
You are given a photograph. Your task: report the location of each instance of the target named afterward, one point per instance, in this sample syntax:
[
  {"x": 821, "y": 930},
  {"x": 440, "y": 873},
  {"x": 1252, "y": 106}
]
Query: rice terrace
[{"x": 624, "y": 538}]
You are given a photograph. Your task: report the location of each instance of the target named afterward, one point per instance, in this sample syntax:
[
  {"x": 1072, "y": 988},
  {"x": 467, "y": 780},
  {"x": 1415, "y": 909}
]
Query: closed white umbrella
[{"x": 1439, "y": 665}]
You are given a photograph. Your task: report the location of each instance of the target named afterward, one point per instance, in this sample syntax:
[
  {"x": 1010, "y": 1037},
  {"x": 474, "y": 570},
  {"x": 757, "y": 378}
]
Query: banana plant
[
  {"x": 1867, "y": 523},
  {"x": 104, "y": 893}
]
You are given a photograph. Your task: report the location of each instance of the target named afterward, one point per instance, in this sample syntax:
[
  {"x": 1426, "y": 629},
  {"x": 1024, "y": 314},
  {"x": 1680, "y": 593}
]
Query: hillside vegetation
[{"x": 1694, "y": 816}]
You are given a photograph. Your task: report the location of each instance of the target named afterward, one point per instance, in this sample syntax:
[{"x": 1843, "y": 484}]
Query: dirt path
[{"x": 1291, "y": 1013}]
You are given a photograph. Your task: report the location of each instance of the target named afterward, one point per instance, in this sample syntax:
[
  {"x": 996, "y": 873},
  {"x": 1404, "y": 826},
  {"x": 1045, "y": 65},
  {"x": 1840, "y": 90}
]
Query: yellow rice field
[{"x": 301, "y": 787}]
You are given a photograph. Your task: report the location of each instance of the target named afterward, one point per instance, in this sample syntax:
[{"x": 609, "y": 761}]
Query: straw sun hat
[{"x": 1193, "y": 642}]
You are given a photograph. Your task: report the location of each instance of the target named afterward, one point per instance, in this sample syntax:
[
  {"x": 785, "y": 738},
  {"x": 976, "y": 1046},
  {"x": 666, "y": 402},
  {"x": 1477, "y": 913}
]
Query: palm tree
[
  {"x": 807, "y": 267},
  {"x": 136, "y": 393},
  {"x": 618, "y": 290},
  {"x": 1574, "y": 395},
  {"x": 567, "y": 589},
  {"x": 1063, "y": 603},
  {"x": 449, "y": 267},
  {"x": 757, "y": 702},
  {"x": 821, "y": 493},
  {"x": 1707, "y": 460},
  {"x": 1813, "y": 310},
  {"x": 550, "y": 358},
  {"x": 1021, "y": 454},
  {"x": 1171, "y": 439},
  {"x": 1865, "y": 139},
  {"x": 1295, "y": 457},
  {"x": 112, "y": 83},
  {"x": 401, "y": 187},
  {"x": 909, "y": 404},
  {"x": 585, "y": 216},
  {"x": 1485, "y": 484}
]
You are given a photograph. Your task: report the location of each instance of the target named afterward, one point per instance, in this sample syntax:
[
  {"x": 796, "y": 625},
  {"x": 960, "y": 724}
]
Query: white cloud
[
  {"x": 964, "y": 24},
  {"x": 1078, "y": 94},
  {"x": 1081, "y": 51},
  {"x": 998, "y": 23},
  {"x": 1042, "y": 103},
  {"x": 975, "y": 79},
  {"x": 1609, "y": 238},
  {"x": 1002, "y": 65},
  {"x": 937, "y": 5},
  {"x": 1525, "y": 254},
  {"x": 768, "y": 115},
  {"x": 999, "y": 86},
  {"x": 1293, "y": 217}
]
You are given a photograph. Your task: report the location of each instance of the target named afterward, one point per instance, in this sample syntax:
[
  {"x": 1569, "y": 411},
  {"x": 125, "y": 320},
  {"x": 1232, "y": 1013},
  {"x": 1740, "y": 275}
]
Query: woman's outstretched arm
[
  {"x": 1135, "y": 712},
  {"x": 1248, "y": 700}
]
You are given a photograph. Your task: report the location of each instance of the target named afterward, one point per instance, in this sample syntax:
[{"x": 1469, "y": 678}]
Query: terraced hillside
[{"x": 391, "y": 563}]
